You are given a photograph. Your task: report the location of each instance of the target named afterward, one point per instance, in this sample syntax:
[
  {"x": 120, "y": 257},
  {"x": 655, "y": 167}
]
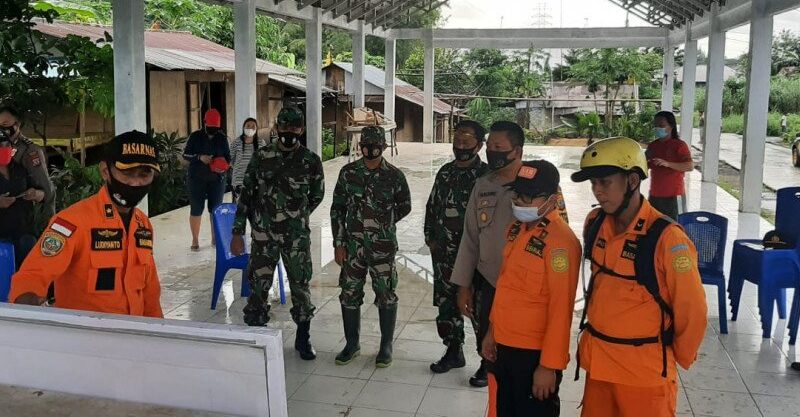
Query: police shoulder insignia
[
  {"x": 559, "y": 260},
  {"x": 52, "y": 244},
  {"x": 35, "y": 159},
  {"x": 682, "y": 264}
]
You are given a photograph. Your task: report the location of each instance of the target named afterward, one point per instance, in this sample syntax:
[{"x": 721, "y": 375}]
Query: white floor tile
[{"x": 391, "y": 396}]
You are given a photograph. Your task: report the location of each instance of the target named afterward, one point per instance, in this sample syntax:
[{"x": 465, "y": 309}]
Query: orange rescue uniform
[
  {"x": 626, "y": 380},
  {"x": 535, "y": 296},
  {"x": 95, "y": 263}
]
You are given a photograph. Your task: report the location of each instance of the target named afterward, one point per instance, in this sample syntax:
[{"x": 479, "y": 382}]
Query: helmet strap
[{"x": 626, "y": 201}]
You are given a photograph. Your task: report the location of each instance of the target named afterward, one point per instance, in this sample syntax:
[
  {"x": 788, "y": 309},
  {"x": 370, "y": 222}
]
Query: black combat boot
[
  {"x": 387, "y": 317},
  {"x": 480, "y": 379},
  {"x": 351, "y": 318},
  {"x": 302, "y": 342},
  {"x": 453, "y": 358}
]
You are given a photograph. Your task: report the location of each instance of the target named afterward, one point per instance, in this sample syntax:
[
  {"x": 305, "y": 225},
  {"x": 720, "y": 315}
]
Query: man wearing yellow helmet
[{"x": 645, "y": 308}]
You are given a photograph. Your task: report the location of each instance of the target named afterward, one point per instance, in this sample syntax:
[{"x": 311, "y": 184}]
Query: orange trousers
[{"x": 605, "y": 399}]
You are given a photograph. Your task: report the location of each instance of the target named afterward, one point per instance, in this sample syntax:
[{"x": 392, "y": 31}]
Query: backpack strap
[{"x": 646, "y": 276}]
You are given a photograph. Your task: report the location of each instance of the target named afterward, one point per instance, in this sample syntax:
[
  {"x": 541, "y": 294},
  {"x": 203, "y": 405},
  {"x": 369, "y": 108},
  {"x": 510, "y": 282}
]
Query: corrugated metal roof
[
  {"x": 404, "y": 90},
  {"x": 172, "y": 50}
]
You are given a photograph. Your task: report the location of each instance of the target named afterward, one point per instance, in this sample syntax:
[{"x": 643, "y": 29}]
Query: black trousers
[
  {"x": 666, "y": 205},
  {"x": 484, "y": 298},
  {"x": 513, "y": 371}
]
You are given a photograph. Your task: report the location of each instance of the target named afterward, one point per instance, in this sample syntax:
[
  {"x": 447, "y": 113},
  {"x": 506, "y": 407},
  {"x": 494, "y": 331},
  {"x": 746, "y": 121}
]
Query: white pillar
[
  {"x": 756, "y": 107},
  {"x": 358, "y": 65},
  {"x": 314, "y": 81},
  {"x": 388, "y": 87},
  {"x": 713, "y": 113},
  {"x": 244, "y": 41},
  {"x": 427, "y": 116},
  {"x": 130, "y": 86},
  {"x": 668, "y": 83},
  {"x": 688, "y": 86}
]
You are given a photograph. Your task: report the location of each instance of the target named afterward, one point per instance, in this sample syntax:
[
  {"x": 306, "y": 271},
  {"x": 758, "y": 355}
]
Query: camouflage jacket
[
  {"x": 280, "y": 188},
  {"x": 447, "y": 204},
  {"x": 368, "y": 204}
]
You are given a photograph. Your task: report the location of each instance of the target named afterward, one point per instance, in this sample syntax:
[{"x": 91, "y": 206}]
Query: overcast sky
[{"x": 577, "y": 13}]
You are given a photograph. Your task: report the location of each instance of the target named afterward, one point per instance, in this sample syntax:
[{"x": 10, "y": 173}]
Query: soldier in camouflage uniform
[
  {"x": 283, "y": 184},
  {"x": 444, "y": 223},
  {"x": 371, "y": 196}
]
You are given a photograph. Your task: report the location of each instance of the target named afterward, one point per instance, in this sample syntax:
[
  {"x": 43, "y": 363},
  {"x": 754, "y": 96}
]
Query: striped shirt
[{"x": 241, "y": 153}]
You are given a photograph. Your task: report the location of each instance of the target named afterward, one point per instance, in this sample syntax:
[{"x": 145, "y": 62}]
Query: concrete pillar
[
  {"x": 244, "y": 41},
  {"x": 668, "y": 83},
  {"x": 388, "y": 87},
  {"x": 427, "y": 115},
  {"x": 688, "y": 86},
  {"x": 358, "y": 65},
  {"x": 713, "y": 113},
  {"x": 130, "y": 99},
  {"x": 756, "y": 107},
  {"x": 314, "y": 81}
]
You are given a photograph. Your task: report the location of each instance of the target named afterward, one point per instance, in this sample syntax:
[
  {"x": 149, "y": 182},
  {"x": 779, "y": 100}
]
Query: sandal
[{"x": 195, "y": 248}]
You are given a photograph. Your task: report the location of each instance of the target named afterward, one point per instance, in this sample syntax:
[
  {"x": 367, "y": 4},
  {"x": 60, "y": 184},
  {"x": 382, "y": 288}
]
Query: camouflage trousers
[
  {"x": 449, "y": 322},
  {"x": 377, "y": 258},
  {"x": 264, "y": 255}
]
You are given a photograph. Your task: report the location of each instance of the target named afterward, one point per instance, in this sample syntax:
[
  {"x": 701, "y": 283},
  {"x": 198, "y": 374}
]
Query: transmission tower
[{"x": 541, "y": 16}]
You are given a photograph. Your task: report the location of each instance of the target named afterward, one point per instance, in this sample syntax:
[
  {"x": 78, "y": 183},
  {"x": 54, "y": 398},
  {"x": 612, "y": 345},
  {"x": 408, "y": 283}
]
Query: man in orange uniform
[
  {"x": 528, "y": 336},
  {"x": 645, "y": 303},
  {"x": 99, "y": 251}
]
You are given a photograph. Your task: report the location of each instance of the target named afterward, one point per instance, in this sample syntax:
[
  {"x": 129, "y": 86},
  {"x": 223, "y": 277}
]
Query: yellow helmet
[{"x": 609, "y": 156}]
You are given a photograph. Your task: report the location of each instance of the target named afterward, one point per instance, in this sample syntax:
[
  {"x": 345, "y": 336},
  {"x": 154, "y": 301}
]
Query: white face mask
[
  {"x": 526, "y": 214},
  {"x": 249, "y": 132}
]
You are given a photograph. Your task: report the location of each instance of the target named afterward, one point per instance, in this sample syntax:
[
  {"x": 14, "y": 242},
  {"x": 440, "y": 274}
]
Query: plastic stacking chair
[
  {"x": 7, "y": 268},
  {"x": 709, "y": 232},
  {"x": 224, "y": 215},
  {"x": 772, "y": 270}
]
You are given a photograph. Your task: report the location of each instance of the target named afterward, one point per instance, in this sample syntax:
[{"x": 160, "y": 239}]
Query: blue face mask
[
  {"x": 660, "y": 132},
  {"x": 526, "y": 214}
]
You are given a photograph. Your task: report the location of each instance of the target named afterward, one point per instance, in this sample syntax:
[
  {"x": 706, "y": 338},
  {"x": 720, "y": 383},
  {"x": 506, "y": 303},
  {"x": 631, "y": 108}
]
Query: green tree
[{"x": 611, "y": 69}]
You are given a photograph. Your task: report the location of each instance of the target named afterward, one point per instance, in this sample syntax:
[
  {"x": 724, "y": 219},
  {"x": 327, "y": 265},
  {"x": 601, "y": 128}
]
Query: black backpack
[{"x": 645, "y": 275}]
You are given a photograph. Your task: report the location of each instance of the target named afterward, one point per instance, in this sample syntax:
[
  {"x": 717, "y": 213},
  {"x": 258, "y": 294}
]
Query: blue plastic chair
[
  {"x": 709, "y": 233},
  {"x": 224, "y": 216},
  {"x": 772, "y": 270},
  {"x": 7, "y": 268}
]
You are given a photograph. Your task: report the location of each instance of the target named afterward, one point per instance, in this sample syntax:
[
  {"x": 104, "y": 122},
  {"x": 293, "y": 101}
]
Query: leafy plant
[
  {"x": 589, "y": 125},
  {"x": 169, "y": 188}
]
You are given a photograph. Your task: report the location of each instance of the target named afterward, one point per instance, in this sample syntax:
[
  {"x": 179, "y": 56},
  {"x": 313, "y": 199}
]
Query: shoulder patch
[
  {"x": 63, "y": 227},
  {"x": 559, "y": 260},
  {"x": 679, "y": 247},
  {"x": 36, "y": 160},
  {"x": 682, "y": 264},
  {"x": 52, "y": 244},
  {"x": 639, "y": 225}
]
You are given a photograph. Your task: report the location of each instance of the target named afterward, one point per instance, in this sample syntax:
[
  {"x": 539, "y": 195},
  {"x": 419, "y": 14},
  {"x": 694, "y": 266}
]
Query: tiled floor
[{"x": 739, "y": 374}]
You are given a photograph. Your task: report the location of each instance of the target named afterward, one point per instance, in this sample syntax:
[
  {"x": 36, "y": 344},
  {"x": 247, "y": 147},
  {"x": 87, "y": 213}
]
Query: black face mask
[
  {"x": 372, "y": 151},
  {"x": 464, "y": 155},
  {"x": 7, "y": 132},
  {"x": 125, "y": 195},
  {"x": 212, "y": 130},
  {"x": 498, "y": 159},
  {"x": 288, "y": 139}
]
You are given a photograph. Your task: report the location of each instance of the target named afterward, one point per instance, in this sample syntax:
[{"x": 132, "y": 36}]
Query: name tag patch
[
  {"x": 535, "y": 246},
  {"x": 629, "y": 250},
  {"x": 106, "y": 239},
  {"x": 144, "y": 238}
]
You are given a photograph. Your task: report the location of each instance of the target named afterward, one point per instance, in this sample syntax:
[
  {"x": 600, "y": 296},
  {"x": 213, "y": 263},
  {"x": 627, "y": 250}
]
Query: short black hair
[
  {"x": 513, "y": 130},
  {"x": 477, "y": 129},
  {"x": 11, "y": 110}
]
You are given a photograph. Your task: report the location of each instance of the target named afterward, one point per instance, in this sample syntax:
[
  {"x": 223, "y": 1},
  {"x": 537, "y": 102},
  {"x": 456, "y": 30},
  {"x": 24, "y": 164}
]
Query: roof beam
[
  {"x": 733, "y": 14},
  {"x": 547, "y": 43},
  {"x": 368, "y": 6},
  {"x": 416, "y": 7},
  {"x": 305, "y": 3},
  {"x": 386, "y": 13}
]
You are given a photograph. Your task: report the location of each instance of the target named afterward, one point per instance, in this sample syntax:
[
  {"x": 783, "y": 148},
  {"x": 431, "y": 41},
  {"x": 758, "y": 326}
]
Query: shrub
[{"x": 733, "y": 123}]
